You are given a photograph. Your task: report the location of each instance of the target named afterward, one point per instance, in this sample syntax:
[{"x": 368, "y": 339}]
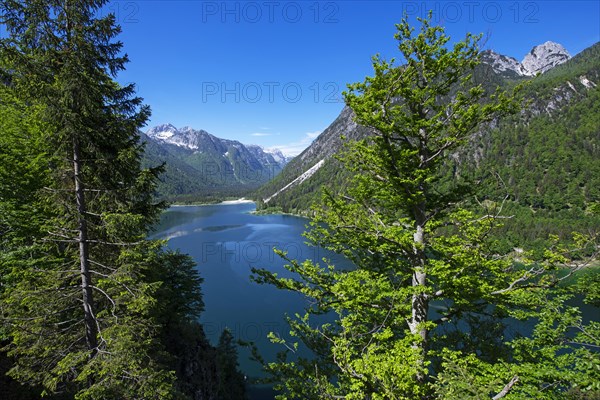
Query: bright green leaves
[
  {"x": 383, "y": 369},
  {"x": 560, "y": 353},
  {"x": 466, "y": 377},
  {"x": 425, "y": 108},
  {"x": 429, "y": 307}
]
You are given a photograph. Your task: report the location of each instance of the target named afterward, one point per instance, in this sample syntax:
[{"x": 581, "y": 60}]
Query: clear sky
[{"x": 272, "y": 72}]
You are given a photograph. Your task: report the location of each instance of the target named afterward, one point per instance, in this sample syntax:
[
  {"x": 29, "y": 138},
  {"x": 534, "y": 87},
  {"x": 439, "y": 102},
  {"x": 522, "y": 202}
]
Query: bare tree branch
[{"x": 506, "y": 388}]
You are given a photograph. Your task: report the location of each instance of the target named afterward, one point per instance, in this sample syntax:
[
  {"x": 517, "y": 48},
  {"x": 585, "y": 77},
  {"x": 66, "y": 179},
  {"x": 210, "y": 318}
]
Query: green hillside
[
  {"x": 179, "y": 178},
  {"x": 548, "y": 159}
]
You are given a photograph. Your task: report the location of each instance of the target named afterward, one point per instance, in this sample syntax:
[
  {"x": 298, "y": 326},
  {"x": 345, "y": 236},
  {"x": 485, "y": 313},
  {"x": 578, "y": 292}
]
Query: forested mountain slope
[
  {"x": 545, "y": 159},
  {"x": 548, "y": 158},
  {"x": 292, "y": 193}
]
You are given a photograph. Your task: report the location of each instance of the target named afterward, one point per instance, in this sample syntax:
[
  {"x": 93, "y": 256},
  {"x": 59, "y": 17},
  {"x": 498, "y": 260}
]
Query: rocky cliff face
[
  {"x": 544, "y": 57},
  {"x": 504, "y": 65},
  {"x": 540, "y": 59}
]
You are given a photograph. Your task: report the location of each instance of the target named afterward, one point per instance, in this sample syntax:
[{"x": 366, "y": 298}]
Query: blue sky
[{"x": 272, "y": 72}]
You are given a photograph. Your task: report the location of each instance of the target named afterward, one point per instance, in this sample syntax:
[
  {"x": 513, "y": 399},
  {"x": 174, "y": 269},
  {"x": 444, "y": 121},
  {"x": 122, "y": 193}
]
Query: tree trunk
[
  {"x": 420, "y": 302},
  {"x": 91, "y": 329}
]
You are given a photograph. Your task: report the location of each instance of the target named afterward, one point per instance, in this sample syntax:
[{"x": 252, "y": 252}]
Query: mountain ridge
[
  {"x": 188, "y": 137},
  {"x": 200, "y": 165},
  {"x": 540, "y": 59}
]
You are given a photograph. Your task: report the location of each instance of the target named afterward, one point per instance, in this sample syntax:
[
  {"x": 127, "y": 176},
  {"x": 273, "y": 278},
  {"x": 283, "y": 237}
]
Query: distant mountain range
[
  {"x": 547, "y": 156},
  {"x": 200, "y": 165}
]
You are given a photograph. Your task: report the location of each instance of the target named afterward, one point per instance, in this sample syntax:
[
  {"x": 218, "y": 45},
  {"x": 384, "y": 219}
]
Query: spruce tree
[
  {"x": 81, "y": 287},
  {"x": 232, "y": 383}
]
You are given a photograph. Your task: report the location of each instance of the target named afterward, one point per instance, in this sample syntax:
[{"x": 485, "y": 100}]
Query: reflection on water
[
  {"x": 219, "y": 228},
  {"x": 175, "y": 234},
  {"x": 178, "y": 215}
]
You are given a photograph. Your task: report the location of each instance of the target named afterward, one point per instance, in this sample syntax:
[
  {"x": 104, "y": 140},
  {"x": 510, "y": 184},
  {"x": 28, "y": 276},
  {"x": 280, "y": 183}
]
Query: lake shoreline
[{"x": 241, "y": 200}]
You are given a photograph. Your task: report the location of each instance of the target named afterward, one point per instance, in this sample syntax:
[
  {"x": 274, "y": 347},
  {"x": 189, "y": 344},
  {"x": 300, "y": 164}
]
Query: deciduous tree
[{"x": 427, "y": 300}]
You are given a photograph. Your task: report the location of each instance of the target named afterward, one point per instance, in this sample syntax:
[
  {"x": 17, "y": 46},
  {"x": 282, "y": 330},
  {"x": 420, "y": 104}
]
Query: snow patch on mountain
[
  {"x": 162, "y": 132},
  {"x": 586, "y": 82},
  {"x": 305, "y": 175}
]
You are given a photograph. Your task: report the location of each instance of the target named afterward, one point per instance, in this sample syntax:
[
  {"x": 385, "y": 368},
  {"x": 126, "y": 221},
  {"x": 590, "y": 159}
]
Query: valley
[
  {"x": 545, "y": 161},
  {"x": 337, "y": 200},
  {"x": 200, "y": 167}
]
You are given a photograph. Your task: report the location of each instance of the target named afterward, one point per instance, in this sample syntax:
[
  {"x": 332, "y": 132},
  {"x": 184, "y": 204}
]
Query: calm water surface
[{"x": 226, "y": 241}]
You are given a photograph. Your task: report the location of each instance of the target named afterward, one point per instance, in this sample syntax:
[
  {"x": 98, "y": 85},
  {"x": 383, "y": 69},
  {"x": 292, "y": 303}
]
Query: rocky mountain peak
[
  {"x": 186, "y": 137},
  {"x": 544, "y": 57},
  {"x": 186, "y": 129},
  {"x": 277, "y": 155},
  {"x": 162, "y": 132},
  {"x": 540, "y": 59}
]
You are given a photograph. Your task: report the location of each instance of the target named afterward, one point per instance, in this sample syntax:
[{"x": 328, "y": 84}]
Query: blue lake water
[{"x": 226, "y": 241}]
